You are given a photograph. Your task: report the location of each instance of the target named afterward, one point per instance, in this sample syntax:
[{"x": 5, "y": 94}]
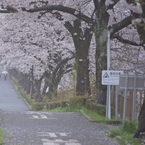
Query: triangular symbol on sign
[{"x": 106, "y": 75}]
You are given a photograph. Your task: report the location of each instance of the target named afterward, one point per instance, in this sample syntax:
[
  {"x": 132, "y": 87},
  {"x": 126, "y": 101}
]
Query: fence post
[
  {"x": 125, "y": 97},
  {"x": 116, "y": 102},
  {"x": 134, "y": 97}
]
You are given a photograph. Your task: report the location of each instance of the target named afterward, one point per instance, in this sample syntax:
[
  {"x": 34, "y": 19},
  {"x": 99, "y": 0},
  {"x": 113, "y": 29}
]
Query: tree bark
[
  {"x": 82, "y": 42},
  {"x": 38, "y": 96},
  {"x": 100, "y": 30},
  {"x": 141, "y": 121}
]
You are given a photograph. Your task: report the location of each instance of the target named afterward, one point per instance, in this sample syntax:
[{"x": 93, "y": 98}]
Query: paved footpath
[{"x": 25, "y": 127}]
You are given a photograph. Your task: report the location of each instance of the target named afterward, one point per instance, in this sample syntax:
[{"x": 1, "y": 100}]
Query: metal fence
[{"x": 127, "y": 98}]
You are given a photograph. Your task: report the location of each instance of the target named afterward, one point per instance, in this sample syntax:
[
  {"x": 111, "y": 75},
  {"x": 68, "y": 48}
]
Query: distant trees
[{"x": 35, "y": 54}]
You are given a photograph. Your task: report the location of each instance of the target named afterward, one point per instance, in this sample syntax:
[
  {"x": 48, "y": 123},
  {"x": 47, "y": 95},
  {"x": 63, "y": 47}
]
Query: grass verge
[
  {"x": 1, "y": 136},
  {"x": 90, "y": 114},
  {"x": 124, "y": 134}
]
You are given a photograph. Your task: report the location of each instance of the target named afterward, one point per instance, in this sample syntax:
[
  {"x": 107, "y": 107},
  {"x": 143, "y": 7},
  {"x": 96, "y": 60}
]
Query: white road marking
[
  {"x": 43, "y": 116},
  {"x": 51, "y": 134},
  {"x": 33, "y": 112},
  {"x": 63, "y": 134},
  {"x": 72, "y": 144},
  {"x": 39, "y": 115},
  {"x": 36, "y": 117},
  {"x": 43, "y": 133},
  {"x": 55, "y": 138},
  {"x": 72, "y": 141},
  {"x": 51, "y": 143}
]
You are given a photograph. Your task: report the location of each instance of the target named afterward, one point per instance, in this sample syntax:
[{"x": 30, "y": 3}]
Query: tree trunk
[
  {"x": 38, "y": 96},
  {"x": 32, "y": 91},
  {"x": 141, "y": 121},
  {"x": 82, "y": 39},
  {"x": 28, "y": 89},
  {"x": 55, "y": 77},
  {"x": 102, "y": 18},
  {"x": 82, "y": 70}
]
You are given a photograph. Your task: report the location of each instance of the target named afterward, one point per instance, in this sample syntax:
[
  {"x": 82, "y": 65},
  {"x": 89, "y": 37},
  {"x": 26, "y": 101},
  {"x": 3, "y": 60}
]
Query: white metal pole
[
  {"x": 125, "y": 98},
  {"x": 108, "y": 107},
  {"x": 134, "y": 98},
  {"x": 116, "y": 102},
  {"x": 108, "y": 50}
]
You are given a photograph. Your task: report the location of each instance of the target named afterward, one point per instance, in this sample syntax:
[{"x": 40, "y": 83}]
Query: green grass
[
  {"x": 1, "y": 136},
  {"x": 124, "y": 134},
  {"x": 89, "y": 113},
  {"x": 93, "y": 115},
  {"x": 123, "y": 137},
  {"x": 63, "y": 109}
]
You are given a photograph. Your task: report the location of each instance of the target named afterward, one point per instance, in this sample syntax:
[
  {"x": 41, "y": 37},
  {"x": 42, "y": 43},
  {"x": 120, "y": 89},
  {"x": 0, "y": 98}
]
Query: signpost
[
  {"x": 108, "y": 103},
  {"x": 110, "y": 77}
]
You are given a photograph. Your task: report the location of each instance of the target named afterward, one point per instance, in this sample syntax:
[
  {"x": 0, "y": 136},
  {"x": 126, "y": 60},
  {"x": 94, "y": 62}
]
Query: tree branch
[
  {"x": 8, "y": 9},
  {"x": 69, "y": 27},
  {"x": 64, "y": 61},
  {"x": 61, "y": 8},
  {"x": 127, "y": 41},
  {"x": 118, "y": 26}
]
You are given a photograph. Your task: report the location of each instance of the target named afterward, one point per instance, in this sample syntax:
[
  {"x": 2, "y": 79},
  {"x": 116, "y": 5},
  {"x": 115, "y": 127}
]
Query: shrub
[
  {"x": 48, "y": 105},
  {"x": 129, "y": 126},
  {"x": 38, "y": 106},
  {"x": 1, "y": 136},
  {"x": 100, "y": 109},
  {"x": 77, "y": 101}
]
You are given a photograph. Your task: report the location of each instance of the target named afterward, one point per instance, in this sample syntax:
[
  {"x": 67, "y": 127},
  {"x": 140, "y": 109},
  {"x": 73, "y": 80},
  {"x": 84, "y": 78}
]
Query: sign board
[{"x": 111, "y": 77}]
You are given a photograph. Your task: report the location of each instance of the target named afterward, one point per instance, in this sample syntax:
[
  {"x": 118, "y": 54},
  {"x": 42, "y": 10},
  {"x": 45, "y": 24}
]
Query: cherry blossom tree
[
  {"x": 103, "y": 14},
  {"x": 30, "y": 45},
  {"x": 82, "y": 39}
]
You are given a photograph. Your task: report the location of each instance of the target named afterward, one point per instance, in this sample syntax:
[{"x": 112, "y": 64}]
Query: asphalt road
[
  {"x": 9, "y": 98},
  {"x": 25, "y": 127}
]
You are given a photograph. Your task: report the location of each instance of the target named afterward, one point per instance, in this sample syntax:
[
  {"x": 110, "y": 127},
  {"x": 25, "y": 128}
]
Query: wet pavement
[
  {"x": 9, "y": 97},
  {"x": 25, "y": 127}
]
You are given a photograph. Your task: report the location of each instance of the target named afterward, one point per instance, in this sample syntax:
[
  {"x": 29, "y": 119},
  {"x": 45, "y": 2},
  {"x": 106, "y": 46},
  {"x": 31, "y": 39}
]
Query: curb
[{"x": 110, "y": 122}]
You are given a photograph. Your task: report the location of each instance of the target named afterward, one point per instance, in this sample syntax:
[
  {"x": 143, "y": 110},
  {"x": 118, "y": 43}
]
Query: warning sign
[
  {"x": 111, "y": 77},
  {"x": 106, "y": 75}
]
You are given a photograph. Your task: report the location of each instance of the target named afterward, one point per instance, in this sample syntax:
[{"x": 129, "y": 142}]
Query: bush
[
  {"x": 100, "y": 109},
  {"x": 1, "y": 136},
  {"x": 88, "y": 102},
  {"x": 38, "y": 106},
  {"x": 124, "y": 133},
  {"x": 77, "y": 101},
  {"x": 129, "y": 126},
  {"x": 48, "y": 105}
]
